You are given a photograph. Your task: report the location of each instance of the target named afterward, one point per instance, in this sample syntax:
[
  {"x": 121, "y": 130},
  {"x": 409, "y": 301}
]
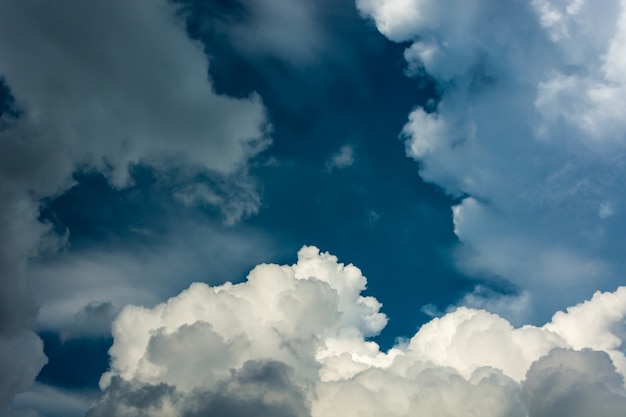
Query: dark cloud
[
  {"x": 568, "y": 383},
  {"x": 101, "y": 86},
  {"x": 259, "y": 388},
  {"x": 123, "y": 399},
  {"x": 94, "y": 319},
  {"x": 21, "y": 359}
]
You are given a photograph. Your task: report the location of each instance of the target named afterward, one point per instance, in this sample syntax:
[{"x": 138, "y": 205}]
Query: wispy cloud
[{"x": 343, "y": 158}]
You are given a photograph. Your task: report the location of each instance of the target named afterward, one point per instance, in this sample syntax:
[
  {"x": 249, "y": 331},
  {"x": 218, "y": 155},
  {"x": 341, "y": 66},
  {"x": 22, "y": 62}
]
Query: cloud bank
[
  {"x": 98, "y": 86},
  {"x": 529, "y": 131},
  {"x": 292, "y": 340}
]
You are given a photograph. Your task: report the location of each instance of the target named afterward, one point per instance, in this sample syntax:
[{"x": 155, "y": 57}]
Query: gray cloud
[
  {"x": 289, "y": 30},
  {"x": 94, "y": 319},
  {"x": 569, "y": 383},
  {"x": 44, "y": 400},
  {"x": 101, "y": 86},
  {"x": 122, "y": 398},
  {"x": 21, "y": 359},
  {"x": 116, "y": 83},
  {"x": 259, "y": 388}
]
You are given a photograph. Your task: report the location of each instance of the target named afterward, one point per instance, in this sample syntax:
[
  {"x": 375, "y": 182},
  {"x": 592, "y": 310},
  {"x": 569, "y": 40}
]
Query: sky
[{"x": 296, "y": 208}]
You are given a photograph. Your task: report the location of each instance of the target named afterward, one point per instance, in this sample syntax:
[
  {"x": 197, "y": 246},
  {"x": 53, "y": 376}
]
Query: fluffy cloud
[
  {"x": 529, "y": 129},
  {"x": 280, "y": 312},
  {"x": 99, "y": 86},
  {"x": 293, "y": 340}
]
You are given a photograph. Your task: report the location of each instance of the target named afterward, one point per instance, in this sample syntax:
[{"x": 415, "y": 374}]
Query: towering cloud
[
  {"x": 529, "y": 129},
  {"x": 98, "y": 86},
  {"x": 292, "y": 340}
]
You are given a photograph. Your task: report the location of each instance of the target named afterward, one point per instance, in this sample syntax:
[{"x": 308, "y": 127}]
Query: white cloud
[
  {"x": 530, "y": 127},
  {"x": 343, "y": 158},
  {"x": 282, "y": 312},
  {"x": 291, "y": 340},
  {"x": 570, "y": 383}
]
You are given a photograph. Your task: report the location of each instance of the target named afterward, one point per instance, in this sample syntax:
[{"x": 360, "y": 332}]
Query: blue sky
[{"x": 428, "y": 195}]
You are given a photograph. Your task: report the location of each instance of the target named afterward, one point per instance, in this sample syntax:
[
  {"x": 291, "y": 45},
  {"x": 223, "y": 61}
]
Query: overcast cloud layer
[
  {"x": 530, "y": 130},
  {"x": 99, "y": 86},
  {"x": 291, "y": 341}
]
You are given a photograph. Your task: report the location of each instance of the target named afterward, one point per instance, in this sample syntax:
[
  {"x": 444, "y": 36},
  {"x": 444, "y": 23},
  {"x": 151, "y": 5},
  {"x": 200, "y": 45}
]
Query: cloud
[
  {"x": 51, "y": 402},
  {"x": 293, "y": 340},
  {"x": 574, "y": 383},
  {"x": 80, "y": 291},
  {"x": 21, "y": 351},
  {"x": 343, "y": 158},
  {"x": 93, "y": 319},
  {"x": 294, "y": 308},
  {"x": 21, "y": 359},
  {"x": 289, "y": 30},
  {"x": 260, "y": 388},
  {"x": 103, "y": 87},
  {"x": 112, "y": 97},
  {"x": 528, "y": 132}
]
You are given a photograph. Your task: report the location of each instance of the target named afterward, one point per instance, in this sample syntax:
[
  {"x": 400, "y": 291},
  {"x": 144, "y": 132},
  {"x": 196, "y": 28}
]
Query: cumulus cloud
[
  {"x": 282, "y": 312},
  {"x": 99, "y": 86},
  {"x": 293, "y": 340},
  {"x": 529, "y": 131}
]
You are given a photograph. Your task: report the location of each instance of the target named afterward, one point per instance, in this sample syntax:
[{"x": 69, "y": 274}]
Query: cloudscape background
[{"x": 296, "y": 208}]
